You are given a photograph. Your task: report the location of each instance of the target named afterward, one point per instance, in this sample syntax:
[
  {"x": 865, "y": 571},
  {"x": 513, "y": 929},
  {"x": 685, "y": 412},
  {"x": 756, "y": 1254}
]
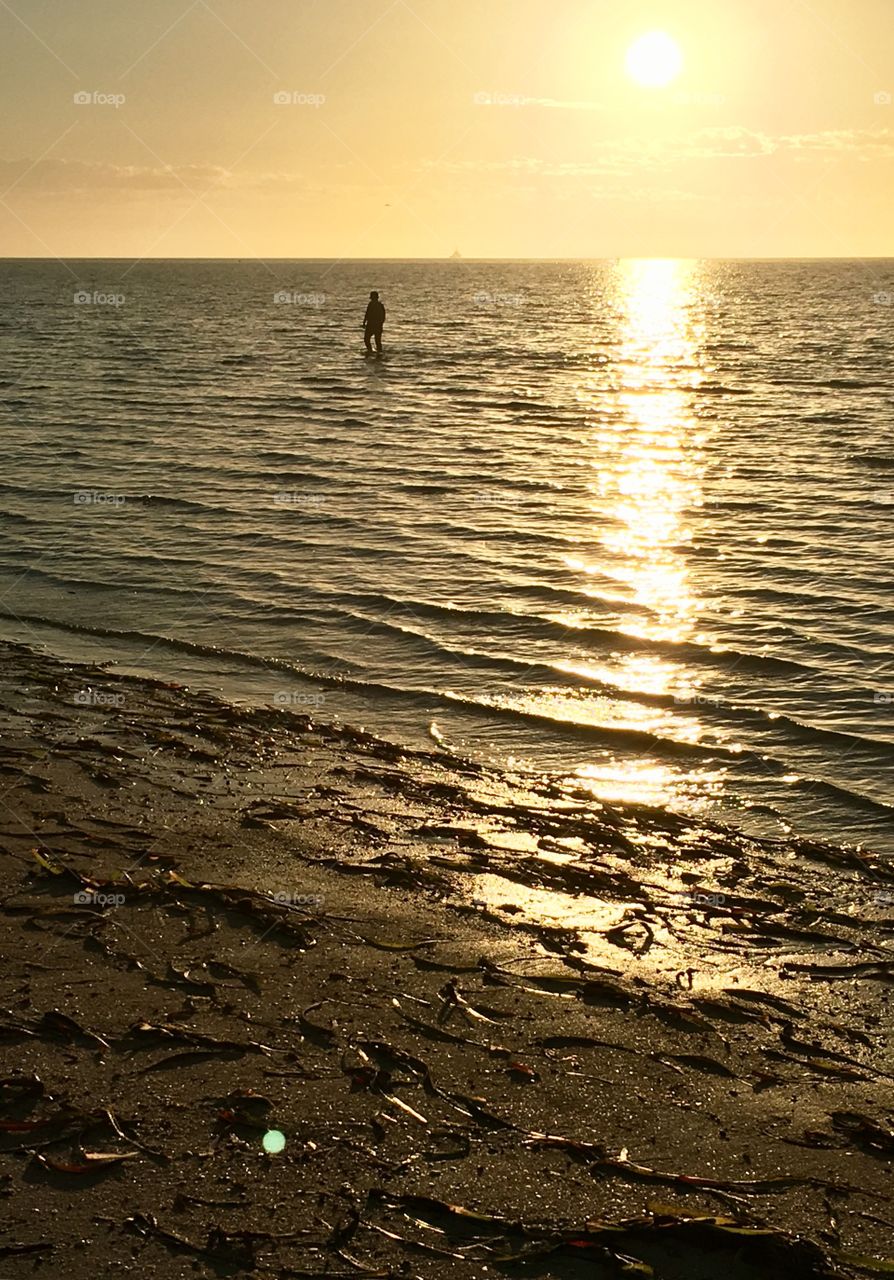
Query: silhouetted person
[{"x": 373, "y": 322}]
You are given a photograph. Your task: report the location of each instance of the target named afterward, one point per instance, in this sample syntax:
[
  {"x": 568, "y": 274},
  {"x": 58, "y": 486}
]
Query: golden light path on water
[{"x": 648, "y": 464}]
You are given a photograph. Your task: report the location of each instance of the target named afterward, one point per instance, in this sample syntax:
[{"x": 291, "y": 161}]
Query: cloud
[
  {"x": 615, "y": 158},
  {"x": 720, "y": 141},
  {"x": 54, "y": 175},
  {"x": 874, "y": 144},
  {"x": 64, "y": 177},
  {"x": 736, "y": 141},
  {"x": 621, "y": 157}
]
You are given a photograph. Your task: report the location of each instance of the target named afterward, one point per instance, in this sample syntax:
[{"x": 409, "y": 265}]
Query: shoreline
[
  {"x": 613, "y": 1032},
  {"x": 251, "y": 681}
]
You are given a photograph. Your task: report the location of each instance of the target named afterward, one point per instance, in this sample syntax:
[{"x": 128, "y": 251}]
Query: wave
[
  {"x": 877, "y": 462},
  {"x": 621, "y": 738},
  {"x": 855, "y": 384},
  {"x": 834, "y": 419},
  {"x": 490, "y": 709},
  {"x": 170, "y": 502},
  {"x": 534, "y": 626},
  {"x": 608, "y": 733},
  {"x": 718, "y": 389}
]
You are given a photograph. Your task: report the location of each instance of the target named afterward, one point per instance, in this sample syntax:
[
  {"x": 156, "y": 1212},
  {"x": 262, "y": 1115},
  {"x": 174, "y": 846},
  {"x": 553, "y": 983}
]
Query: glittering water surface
[{"x": 630, "y": 521}]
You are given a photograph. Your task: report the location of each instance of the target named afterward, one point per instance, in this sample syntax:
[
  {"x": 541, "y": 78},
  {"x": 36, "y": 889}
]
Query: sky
[{"x": 413, "y": 128}]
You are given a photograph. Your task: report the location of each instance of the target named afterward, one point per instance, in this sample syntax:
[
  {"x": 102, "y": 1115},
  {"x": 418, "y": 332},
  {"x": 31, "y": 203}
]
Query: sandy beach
[{"x": 495, "y": 1027}]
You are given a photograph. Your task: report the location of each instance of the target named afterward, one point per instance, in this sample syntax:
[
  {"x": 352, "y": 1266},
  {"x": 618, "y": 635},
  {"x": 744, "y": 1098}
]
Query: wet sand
[{"x": 501, "y": 1029}]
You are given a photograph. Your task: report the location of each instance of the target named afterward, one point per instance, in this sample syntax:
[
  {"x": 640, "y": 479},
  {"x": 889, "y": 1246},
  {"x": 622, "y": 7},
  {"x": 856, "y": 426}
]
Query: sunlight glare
[{"x": 654, "y": 60}]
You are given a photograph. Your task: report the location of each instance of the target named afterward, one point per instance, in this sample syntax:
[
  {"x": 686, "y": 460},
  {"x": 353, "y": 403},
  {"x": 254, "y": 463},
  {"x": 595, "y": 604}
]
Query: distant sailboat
[{"x": 455, "y": 256}]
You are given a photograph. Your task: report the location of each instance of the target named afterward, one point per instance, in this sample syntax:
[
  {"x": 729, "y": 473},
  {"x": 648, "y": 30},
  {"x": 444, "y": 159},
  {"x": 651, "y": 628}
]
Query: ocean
[{"x": 627, "y": 522}]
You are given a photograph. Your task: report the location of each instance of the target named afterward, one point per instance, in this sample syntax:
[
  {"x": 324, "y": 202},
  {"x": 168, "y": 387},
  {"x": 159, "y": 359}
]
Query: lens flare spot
[{"x": 274, "y": 1142}]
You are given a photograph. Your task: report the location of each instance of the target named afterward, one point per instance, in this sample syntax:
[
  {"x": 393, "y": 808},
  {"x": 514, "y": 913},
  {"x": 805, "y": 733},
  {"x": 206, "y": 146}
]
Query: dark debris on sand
[{"x": 501, "y": 1028}]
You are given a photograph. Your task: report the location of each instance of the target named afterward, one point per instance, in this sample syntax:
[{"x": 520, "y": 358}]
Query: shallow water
[{"x": 629, "y": 521}]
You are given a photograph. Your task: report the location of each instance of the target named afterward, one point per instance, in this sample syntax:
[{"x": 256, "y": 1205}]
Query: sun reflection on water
[
  {"x": 648, "y": 464},
  {"x": 649, "y": 782},
  {"x": 649, "y": 468}
]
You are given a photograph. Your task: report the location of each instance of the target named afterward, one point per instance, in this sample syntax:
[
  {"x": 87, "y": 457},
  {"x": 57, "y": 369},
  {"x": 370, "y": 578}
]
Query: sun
[{"x": 654, "y": 60}]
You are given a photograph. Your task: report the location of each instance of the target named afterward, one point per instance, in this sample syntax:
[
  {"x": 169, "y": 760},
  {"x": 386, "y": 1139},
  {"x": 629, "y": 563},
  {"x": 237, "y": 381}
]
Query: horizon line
[{"x": 616, "y": 257}]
